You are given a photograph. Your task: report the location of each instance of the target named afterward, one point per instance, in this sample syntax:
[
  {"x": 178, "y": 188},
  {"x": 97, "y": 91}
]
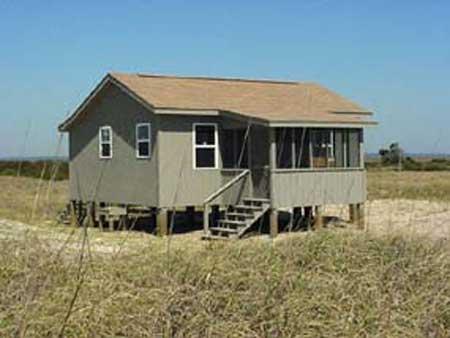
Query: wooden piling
[
  {"x": 308, "y": 216},
  {"x": 206, "y": 219},
  {"x": 297, "y": 216},
  {"x": 356, "y": 213},
  {"x": 352, "y": 213},
  {"x": 318, "y": 219},
  {"x": 111, "y": 223},
  {"x": 162, "y": 222},
  {"x": 91, "y": 214},
  {"x": 73, "y": 213},
  {"x": 273, "y": 223}
]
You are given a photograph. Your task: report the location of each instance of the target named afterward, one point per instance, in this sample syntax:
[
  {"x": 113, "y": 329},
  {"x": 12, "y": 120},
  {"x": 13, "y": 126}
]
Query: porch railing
[{"x": 208, "y": 201}]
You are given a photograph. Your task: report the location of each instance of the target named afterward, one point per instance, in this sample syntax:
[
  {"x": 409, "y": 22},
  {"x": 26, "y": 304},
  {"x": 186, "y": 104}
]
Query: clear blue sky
[{"x": 390, "y": 56}]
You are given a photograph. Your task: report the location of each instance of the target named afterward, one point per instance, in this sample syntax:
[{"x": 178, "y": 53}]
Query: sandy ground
[{"x": 410, "y": 217}]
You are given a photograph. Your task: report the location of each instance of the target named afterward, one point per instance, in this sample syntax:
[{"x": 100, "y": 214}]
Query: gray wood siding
[
  {"x": 308, "y": 188},
  {"x": 180, "y": 183},
  {"x": 124, "y": 178}
]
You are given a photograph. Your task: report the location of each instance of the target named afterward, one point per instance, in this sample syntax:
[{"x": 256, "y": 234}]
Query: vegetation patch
[
  {"x": 422, "y": 185},
  {"x": 55, "y": 170},
  {"x": 333, "y": 284},
  {"x": 31, "y": 200}
]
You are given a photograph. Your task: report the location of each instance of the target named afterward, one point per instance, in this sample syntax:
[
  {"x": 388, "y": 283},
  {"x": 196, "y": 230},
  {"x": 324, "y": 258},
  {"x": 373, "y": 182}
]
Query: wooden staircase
[{"x": 239, "y": 218}]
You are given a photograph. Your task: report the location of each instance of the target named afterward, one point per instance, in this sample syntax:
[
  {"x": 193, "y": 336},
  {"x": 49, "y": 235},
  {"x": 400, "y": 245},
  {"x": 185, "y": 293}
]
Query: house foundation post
[
  {"x": 72, "y": 213},
  {"x": 273, "y": 223},
  {"x": 297, "y": 216},
  {"x": 206, "y": 219},
  {"x": 111, "y": 223},
  {"x": 91, "y": 214},
  {"x": 318, "y": 219},
  {"x": 352, "y": 213},
  {"x": 162, "y": 222},
  {"x": 360, "y": 213},
  {"x": 356, "y": 213},
  {"x": 308, "y": 216}
]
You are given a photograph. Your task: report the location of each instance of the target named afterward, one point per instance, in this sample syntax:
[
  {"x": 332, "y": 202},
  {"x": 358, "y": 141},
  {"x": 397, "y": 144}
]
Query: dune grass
[
  {"x": 409, "y": 185},
  {"x": 330, "y": 283},
  {"x": 31, "y": 200},
  {"x": 327, "y": 284}
]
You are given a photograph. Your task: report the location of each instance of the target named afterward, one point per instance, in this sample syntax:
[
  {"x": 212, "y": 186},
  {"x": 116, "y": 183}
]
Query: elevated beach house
[{"x": 240, "y": 150}]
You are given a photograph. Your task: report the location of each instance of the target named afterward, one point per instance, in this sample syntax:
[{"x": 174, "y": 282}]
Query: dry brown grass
[
  {"x": 18, "y": 199},
  {"x": 328, "y": 284},
  {"x": 409, "y": 185},
  {"x": 336, "y": 283}
]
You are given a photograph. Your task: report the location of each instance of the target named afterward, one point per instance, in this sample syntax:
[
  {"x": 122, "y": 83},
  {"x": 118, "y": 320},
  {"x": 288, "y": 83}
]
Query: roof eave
[{"x": 325, "y": 124}]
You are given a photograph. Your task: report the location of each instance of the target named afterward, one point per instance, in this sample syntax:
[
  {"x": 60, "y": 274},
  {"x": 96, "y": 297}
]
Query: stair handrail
[{"x": 216, "y": 194}]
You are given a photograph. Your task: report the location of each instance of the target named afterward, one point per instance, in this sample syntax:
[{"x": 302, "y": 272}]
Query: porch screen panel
[
  {"x": 354, "y": 149},
  {"x": 302, "y": 155},
  {"x": 241, "y": 148},
  {"x": 284, "y": 148},
  {"x": 233, "y": 148},
  {"x": 227, "y": 148},
  {"x": 340, "y": 136},
  {"x": 322, "y": 148}
]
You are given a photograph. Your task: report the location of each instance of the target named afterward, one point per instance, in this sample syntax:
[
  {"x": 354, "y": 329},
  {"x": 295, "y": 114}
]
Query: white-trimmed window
[
  {"x": 205, "y": 144},
  {"x": 143, "y": 140},
  {"x": 105, "y": 147}
]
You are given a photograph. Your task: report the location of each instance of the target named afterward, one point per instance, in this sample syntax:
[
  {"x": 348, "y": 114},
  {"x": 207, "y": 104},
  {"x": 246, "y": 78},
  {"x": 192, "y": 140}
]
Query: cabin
[{"x": 238, "y": 150}]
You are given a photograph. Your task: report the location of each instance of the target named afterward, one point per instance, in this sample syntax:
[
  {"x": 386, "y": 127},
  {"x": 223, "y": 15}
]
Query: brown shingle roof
[
  {"x": 271, "y": 101},
  {"x": 268, "y": 100}
]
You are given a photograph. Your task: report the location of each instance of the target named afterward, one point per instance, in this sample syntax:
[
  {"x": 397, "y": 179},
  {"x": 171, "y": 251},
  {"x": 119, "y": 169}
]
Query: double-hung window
[
  {"x": 143, "y": 140},
  {"x": 205, "y": 141},
  {"x": 105, "y": 142}
]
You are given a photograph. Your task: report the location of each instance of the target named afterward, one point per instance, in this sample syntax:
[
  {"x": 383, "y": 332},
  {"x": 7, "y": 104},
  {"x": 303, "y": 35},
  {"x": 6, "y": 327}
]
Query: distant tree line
[
  {"x": 394, "y": 156},
  {"x": 48, "y": 169}
]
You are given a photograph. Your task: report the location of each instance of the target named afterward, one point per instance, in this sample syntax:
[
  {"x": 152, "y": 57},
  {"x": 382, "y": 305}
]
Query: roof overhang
[
  {"x": 177, "y": 111},
  {"x": 322, "y": 124},
  {"x": 242, "y": 117}
]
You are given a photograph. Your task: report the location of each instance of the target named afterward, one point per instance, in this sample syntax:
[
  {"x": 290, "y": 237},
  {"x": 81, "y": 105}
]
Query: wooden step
[
  {"x": 232, "y": 222},
  {"x": 220, "y": 229},
  {"x": 216, "y": 237},
  {"x": 238, "y": 214},
  {"x": 248, "y": 207},
  {"x": 256, "y": 200}
]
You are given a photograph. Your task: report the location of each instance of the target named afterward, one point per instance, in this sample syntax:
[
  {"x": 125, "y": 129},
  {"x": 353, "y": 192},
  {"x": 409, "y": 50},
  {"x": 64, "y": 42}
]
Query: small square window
[
  {"x": 143, "y": 149},
  {"x": 106, "y": 150},
  {"x": 143, "y": 132},
  {"x": 106, "y": 135},
  {"x": 205, "y": 158},
  {"x": 205, "y": 135}
]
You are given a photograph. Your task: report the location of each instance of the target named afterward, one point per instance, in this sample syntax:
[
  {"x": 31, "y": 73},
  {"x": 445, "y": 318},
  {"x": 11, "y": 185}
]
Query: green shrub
[
  {"x": 435, "y": 166},
  {"x": 35, "y": 169}
]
